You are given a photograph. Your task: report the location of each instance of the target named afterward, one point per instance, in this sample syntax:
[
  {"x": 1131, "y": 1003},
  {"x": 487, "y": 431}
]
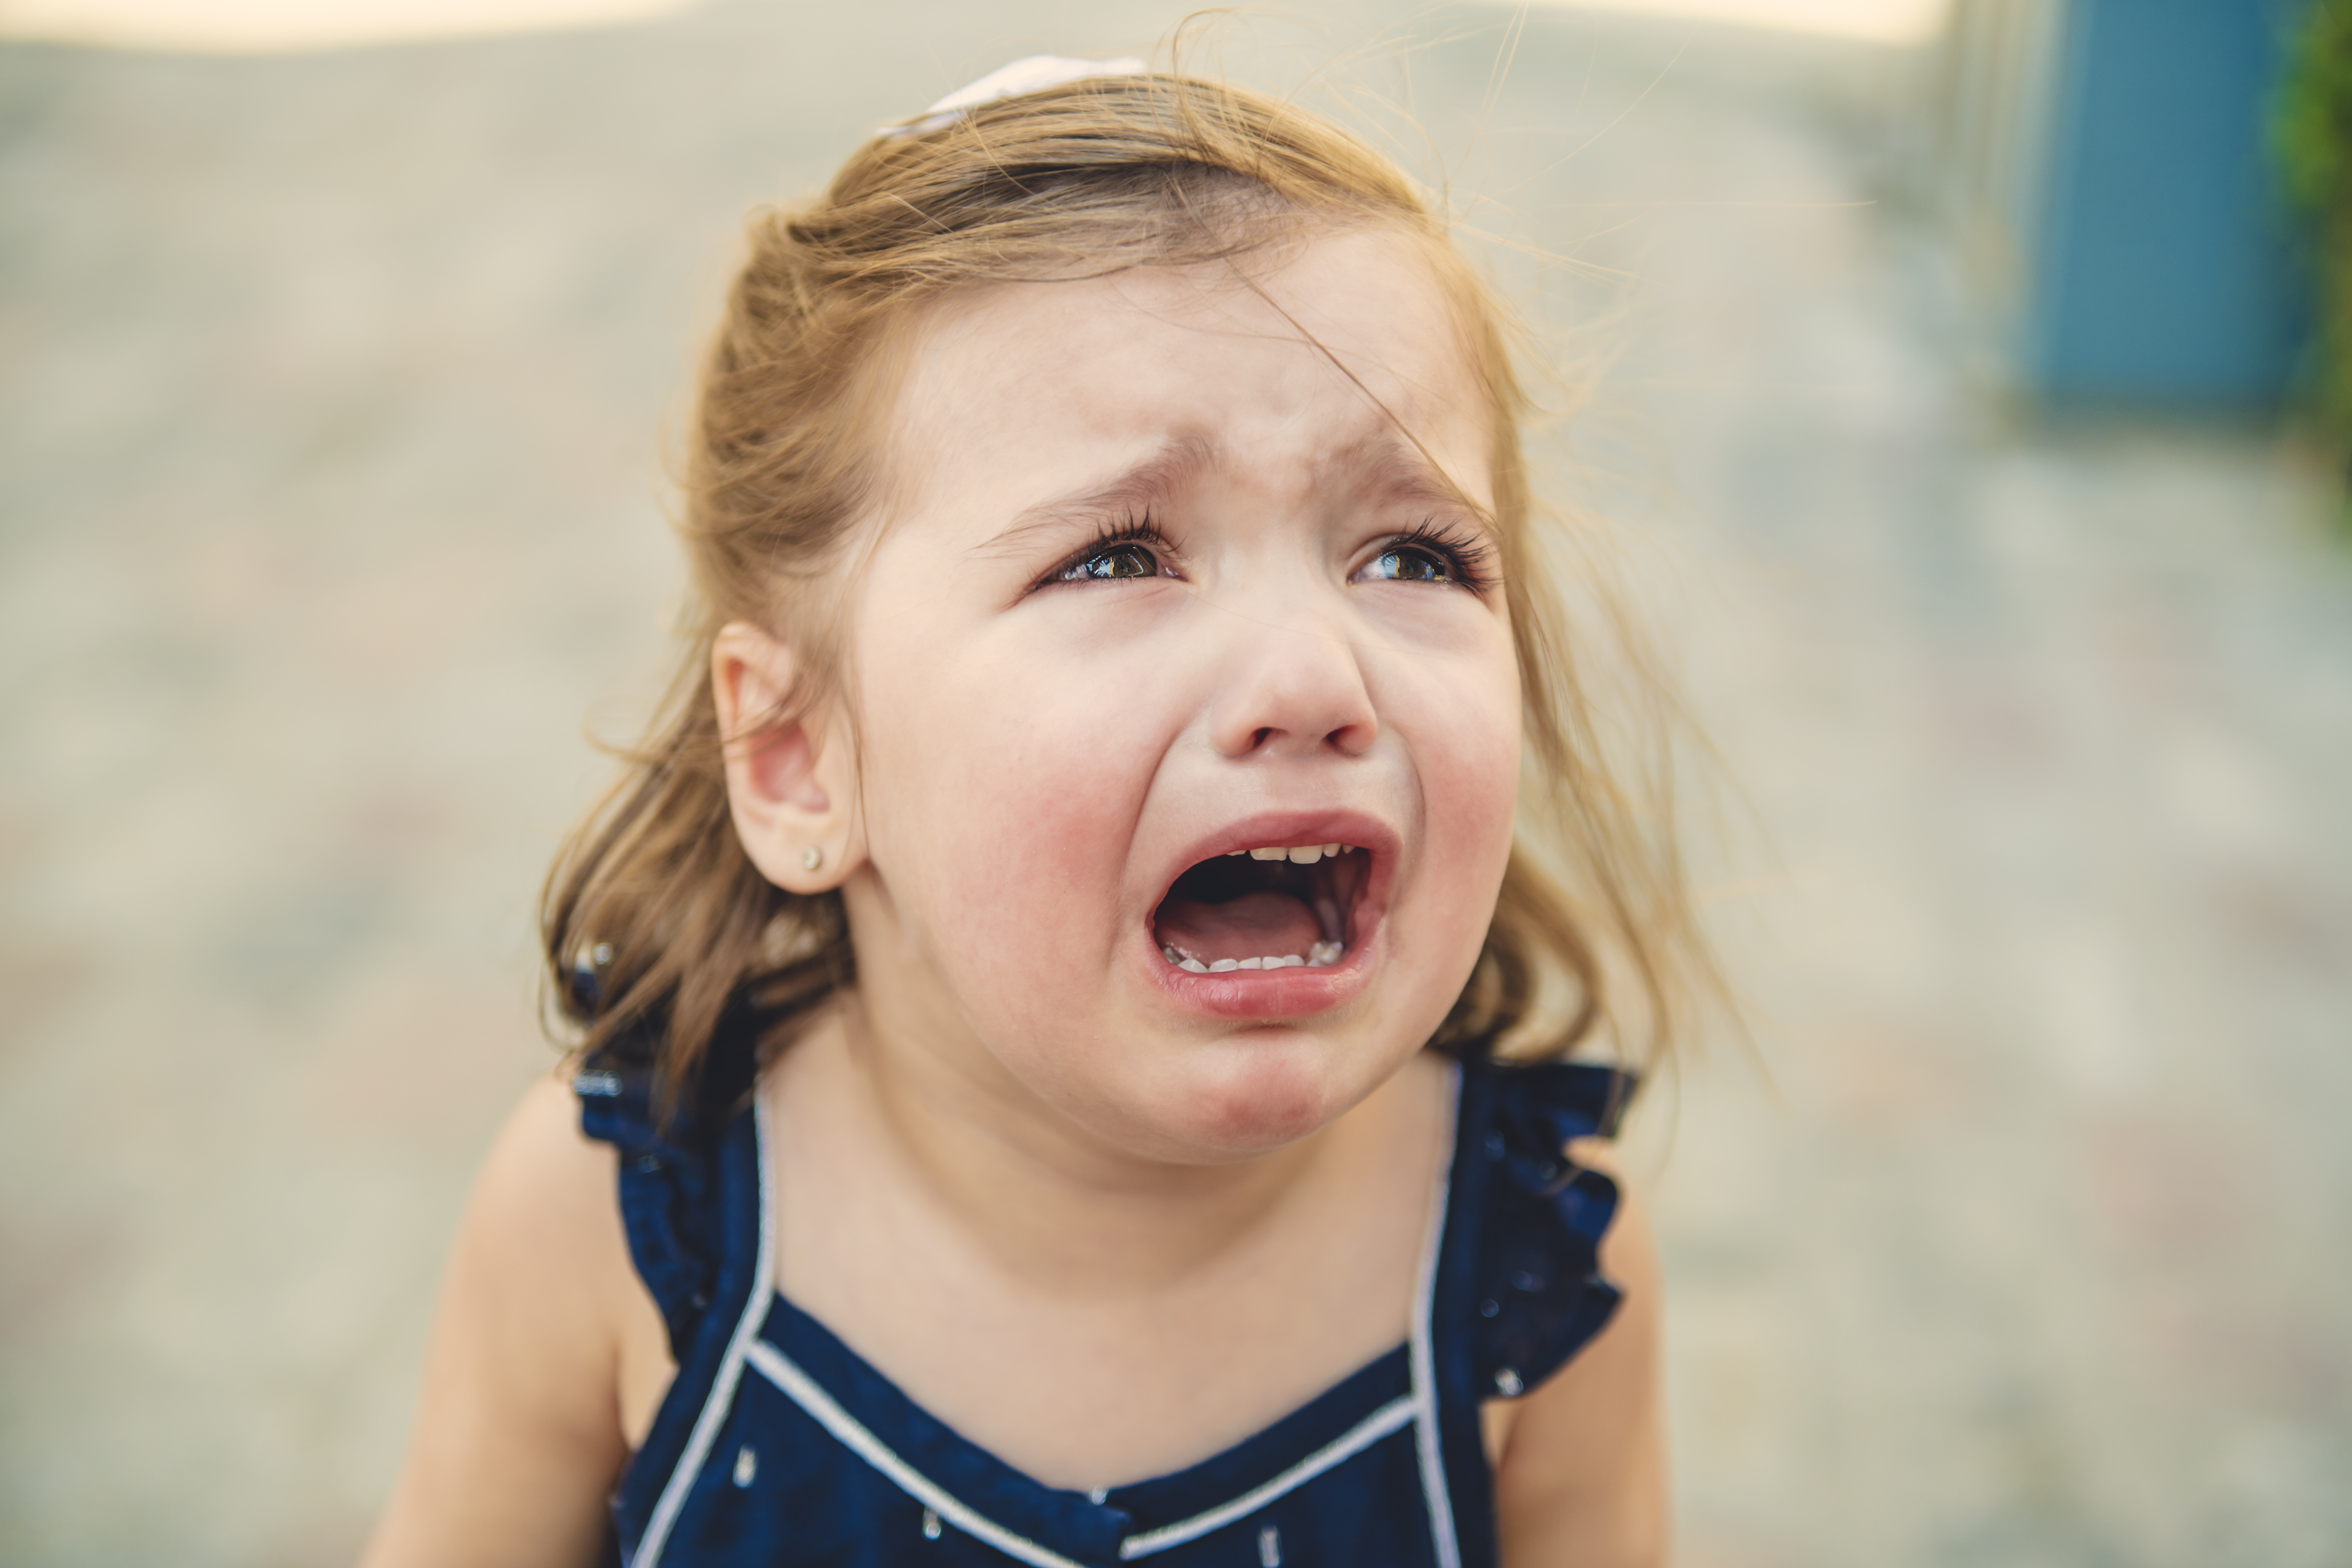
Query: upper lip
[{"x": 1289, "y": 829}]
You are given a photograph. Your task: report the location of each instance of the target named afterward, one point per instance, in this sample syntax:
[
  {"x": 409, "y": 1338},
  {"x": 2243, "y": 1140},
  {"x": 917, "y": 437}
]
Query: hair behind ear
[{"x": 655, "y": 916}]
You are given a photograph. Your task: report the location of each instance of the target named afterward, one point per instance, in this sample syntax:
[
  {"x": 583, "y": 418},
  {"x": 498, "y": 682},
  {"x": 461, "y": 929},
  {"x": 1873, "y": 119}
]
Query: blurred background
[{"x": 1958, "y": 370}]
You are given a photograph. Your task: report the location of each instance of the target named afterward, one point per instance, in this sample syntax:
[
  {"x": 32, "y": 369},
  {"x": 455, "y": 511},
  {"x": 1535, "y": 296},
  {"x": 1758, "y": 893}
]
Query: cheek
[
  {"x": 1474, "y": 799},
  {"x": 1476, "y": 780},
  {"x": 1011, "y": 808},
  {"x": 1467, "y": 755}
]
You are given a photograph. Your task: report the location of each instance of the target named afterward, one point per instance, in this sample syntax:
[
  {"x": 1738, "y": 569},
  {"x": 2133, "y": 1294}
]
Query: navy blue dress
[{"x": 778, "y": 1446}]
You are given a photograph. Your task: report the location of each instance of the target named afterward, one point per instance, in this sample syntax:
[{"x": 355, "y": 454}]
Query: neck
[{"x": 1047, "y": 1200}]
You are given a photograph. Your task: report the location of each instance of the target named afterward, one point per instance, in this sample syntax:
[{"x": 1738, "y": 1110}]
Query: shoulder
[
  {"x": 521, "y": 1429},
  {"x": 544, "y": 1175},
  {"x": 542, "y": 1240},
  {"x": 538, "y": 1280}
]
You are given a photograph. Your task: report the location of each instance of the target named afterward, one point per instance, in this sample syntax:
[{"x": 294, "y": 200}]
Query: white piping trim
[
  {"x": 1397, "y": 1412},
  {"x": 1423, "y": 1357},
  {"x": 715, "y": 1405},
  {"x": 779, "y": 1369},
  {"x": 1419, "y": 1408}
]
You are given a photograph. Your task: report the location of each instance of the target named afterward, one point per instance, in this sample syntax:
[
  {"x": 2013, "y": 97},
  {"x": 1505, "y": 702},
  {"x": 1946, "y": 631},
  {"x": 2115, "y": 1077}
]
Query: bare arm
[
  {"x": 519, "y": 1434},
  {"x": 1582, "y": 1479}
]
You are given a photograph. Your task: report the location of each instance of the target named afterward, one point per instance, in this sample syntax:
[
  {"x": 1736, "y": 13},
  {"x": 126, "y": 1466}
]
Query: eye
[
  {"x": 1135, "y": 548},
  {"x": 1124, "y": 559},
  {"x": 1433, "y": 553},
  {"x": 1409, "y": 563}
]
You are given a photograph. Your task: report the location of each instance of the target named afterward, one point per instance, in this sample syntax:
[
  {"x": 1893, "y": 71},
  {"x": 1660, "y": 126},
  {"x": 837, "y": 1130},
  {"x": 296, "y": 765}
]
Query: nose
[{"x": 1293, "y": 687}]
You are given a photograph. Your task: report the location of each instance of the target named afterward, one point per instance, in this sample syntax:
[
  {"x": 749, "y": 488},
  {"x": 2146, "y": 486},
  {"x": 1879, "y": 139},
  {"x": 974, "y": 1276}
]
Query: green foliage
[{"x": 2313, "y": 134}]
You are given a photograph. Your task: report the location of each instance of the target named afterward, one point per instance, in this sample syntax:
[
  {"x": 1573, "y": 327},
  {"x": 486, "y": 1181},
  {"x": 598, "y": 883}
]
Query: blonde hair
[{"x": 655, "y": 921}]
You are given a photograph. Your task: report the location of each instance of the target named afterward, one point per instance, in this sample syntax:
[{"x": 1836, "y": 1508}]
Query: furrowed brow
[
  {"x": 1396, "y": 470},
  {"x": 1147, "y": 484}
]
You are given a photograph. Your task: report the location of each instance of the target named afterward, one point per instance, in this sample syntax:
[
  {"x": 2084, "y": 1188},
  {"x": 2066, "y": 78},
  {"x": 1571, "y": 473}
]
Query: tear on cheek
[{"x": 1252, "y": 910}]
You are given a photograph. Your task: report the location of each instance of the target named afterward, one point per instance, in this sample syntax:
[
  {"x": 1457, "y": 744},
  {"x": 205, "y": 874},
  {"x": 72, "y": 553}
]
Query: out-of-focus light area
[
  {"x": 272, "y": 26},
  {"x": 1880, "y": 21},
  {"x": 1948, "y": 377},
  {"x": 262, "y": 26}
]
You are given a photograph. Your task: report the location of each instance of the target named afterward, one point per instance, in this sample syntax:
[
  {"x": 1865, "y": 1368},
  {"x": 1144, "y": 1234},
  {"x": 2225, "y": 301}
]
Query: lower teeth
[{"x": 1322, "y": 956}]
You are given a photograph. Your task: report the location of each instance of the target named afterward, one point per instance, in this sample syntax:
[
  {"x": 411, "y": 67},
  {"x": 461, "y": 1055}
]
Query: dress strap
[{"x": 693, "y": 1197}]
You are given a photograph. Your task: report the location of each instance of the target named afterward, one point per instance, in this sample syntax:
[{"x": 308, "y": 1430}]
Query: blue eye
[{"x": 1126, "y": 560}]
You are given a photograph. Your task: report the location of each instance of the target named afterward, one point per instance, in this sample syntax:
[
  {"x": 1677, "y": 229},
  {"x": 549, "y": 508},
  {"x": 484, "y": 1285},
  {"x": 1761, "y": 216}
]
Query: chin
[{"x": 1257, "y": 1092}]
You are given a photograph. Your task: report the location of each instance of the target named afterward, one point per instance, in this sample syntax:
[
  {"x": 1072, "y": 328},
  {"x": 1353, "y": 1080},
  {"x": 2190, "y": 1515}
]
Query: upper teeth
[{"x": 1300, "y": 854}]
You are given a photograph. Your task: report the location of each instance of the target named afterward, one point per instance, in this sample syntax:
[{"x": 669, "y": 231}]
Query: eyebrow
[
  {"x": 1399, "y": 470},
  {"x": 1394, "y": 468},
  {"x": 1150, "y": 483}
]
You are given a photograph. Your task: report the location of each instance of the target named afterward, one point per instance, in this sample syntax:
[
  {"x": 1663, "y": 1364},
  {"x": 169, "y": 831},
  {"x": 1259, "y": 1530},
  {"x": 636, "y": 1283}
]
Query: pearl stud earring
[{"x": 811, "y": 857}]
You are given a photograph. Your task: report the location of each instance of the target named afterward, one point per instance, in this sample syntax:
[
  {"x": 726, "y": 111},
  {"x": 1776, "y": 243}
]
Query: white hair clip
[{"x": 1034, "y": 74}]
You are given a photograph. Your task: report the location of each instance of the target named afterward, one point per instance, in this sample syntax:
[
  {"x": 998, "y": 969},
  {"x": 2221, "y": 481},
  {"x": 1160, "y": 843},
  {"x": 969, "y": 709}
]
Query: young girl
[{"x": 1045, "y": 990}]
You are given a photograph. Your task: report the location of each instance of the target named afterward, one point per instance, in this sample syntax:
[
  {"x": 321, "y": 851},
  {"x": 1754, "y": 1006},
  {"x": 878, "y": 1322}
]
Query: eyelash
[
  {"x": 1111, "y": 535},
  {"x": 1466, "y": 558}
]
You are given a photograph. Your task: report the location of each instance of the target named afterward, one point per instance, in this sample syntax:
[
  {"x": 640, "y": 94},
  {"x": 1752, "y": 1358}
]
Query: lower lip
[{"x": 1290, "y": 992}]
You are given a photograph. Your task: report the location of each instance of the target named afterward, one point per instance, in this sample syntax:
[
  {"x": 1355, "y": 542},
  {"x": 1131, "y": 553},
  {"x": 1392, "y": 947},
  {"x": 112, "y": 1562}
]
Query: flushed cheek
[
  {"x": 1016, "y": 843},
  {"x": 1473, "y": 784},
  {"x": 1470, "y": 782}
]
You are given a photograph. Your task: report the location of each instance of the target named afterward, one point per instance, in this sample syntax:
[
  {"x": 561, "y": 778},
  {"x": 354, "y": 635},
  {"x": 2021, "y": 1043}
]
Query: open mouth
[{"x": 1279, "y": 907}]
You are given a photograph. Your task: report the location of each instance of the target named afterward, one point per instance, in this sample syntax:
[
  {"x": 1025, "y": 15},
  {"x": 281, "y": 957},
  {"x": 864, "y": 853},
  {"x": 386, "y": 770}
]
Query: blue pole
[{"x": 2165, "y": 274}]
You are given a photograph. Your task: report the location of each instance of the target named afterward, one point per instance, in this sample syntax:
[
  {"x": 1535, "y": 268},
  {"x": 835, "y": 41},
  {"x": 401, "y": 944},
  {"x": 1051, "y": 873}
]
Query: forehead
[{"x": 1339, "y": 360}]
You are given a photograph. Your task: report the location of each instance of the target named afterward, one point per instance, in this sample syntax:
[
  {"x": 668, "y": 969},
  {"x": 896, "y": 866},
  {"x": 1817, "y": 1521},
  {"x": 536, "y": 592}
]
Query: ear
[{"x": 790, "y": 788}]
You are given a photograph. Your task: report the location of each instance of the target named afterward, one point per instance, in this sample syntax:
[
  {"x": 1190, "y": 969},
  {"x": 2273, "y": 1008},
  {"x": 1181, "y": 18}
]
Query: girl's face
[{"x": 1168, "y": 604}]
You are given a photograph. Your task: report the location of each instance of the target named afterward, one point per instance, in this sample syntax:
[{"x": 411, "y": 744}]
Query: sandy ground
[{"x": 332, "y": 393}]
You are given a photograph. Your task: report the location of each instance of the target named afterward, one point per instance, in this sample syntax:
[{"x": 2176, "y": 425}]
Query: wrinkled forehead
[{"x": 1339, "y": 361}]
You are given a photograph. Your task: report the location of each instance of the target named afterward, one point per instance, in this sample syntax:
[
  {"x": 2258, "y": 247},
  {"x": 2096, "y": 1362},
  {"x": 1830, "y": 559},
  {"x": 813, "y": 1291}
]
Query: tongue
[{"x": 1255, "y": 925}]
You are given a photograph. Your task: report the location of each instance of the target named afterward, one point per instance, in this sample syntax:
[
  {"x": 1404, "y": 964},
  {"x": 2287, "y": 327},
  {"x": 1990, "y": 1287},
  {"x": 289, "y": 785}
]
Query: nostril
[{"x": 1259, "y": 737}]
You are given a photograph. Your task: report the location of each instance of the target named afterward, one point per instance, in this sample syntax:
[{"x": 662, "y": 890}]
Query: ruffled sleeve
[
  {"x": 671, "y": 1164},
  {"x": 667, "y": 1178},
  {"x": 1539, "y": 1293}
]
